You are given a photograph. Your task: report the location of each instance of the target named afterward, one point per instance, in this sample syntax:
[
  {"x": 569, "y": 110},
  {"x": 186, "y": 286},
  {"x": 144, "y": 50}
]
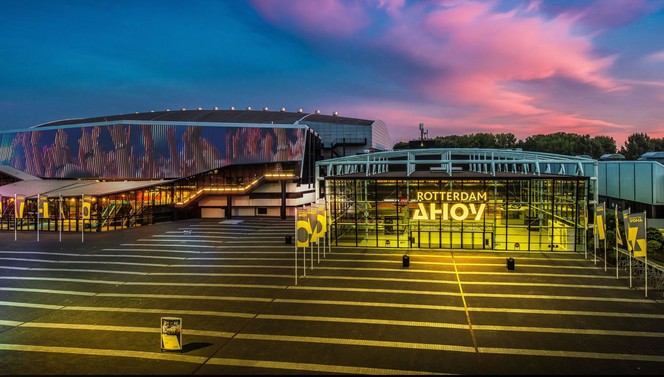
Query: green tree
[
  {"x": 506, "y": 141},
  {"x": 636, "y": 145}
]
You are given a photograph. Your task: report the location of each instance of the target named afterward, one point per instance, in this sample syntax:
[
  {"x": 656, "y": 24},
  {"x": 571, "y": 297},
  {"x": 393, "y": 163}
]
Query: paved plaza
[{"x": 92, "y": 304}]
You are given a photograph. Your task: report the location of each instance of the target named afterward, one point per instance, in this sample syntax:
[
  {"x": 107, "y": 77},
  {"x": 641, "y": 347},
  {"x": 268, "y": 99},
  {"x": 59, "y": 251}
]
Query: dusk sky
[{"x": 459, "y": 67}]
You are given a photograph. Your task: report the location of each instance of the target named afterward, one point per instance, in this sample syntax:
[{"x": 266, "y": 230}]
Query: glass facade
[
  {"x": 496, "y": 214},
  {"x": 459, "y": 198}
]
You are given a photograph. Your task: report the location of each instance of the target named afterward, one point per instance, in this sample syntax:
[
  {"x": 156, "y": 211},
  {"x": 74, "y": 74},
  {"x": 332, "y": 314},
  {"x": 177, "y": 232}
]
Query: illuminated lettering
[
  {"x": 461, "y": 205},
  {"x": 450, "y": 196},
  {"x": 457, "y": 211}
]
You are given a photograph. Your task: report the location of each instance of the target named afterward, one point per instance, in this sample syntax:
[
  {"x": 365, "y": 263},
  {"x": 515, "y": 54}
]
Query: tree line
[{"x": 560, "y": 143}]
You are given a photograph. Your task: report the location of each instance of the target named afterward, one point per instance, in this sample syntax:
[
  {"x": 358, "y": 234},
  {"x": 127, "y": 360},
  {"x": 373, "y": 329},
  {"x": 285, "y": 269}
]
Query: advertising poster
[{"x": 171, "y": 333}]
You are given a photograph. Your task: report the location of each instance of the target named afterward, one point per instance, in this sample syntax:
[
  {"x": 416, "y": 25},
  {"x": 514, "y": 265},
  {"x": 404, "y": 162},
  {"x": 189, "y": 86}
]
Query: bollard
[
  {"x": 510, "y": 264},
  {"x": 405, "y": 260}
]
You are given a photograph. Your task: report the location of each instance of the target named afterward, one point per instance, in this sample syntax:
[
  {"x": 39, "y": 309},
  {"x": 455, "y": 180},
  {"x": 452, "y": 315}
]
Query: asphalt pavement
[{"x": 92, "y": 304}]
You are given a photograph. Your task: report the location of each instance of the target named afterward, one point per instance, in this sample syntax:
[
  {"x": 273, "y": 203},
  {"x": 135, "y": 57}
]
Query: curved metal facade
[{"x": 147, "y": 150}]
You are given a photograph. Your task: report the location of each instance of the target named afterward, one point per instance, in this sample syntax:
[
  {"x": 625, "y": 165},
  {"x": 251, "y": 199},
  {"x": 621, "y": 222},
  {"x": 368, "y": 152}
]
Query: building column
[
  {"x": 229, "y": 206},
  {"x": 283, "y": 200}
]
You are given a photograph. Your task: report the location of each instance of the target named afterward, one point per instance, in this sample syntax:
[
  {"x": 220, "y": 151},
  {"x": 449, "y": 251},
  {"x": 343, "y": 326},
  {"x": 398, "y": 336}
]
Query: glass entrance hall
[{"x": 465, "y": 210}]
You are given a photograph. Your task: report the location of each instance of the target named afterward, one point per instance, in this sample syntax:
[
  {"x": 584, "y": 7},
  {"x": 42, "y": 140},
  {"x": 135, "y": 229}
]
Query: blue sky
[{"x": 459, "y": 67}]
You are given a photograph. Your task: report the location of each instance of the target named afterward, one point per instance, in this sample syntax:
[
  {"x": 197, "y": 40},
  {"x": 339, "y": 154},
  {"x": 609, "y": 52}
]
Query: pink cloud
[
  {"x": 473, "y": 68},
  {"x": 337, "y": 18}
]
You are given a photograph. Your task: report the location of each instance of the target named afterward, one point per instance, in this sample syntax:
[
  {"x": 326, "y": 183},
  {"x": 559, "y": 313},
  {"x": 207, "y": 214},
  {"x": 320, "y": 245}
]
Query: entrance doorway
[{"x": 451, "y": 240}]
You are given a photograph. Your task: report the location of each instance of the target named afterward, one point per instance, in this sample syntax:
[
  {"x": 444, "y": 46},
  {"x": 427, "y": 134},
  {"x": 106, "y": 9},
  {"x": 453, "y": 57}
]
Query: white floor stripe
[
  {"x": 87, "y": 270},
  {"x": 187, "y": 240},
  {"x": 187, "y": 297},
  {"x": 91, "y": 281},
  {"x": 189, "y": 236},
  {"x": 316, "y": 368},
  {"x": 572, "y": 354},
  {"x": 106, "y": 352},
  {"x": 472, "y": 309},
  {"x": 161, "y": 246},
  {"x": 49, "y": 291}
]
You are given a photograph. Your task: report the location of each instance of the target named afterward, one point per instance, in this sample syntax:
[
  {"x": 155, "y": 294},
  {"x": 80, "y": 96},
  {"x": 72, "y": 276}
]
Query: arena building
[
  {"x": 119, "y": 171},
  {"x": 484, "y": 199}
]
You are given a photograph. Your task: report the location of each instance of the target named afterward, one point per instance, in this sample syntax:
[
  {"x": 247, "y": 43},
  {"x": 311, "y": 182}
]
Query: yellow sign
[{"x": 171, "y": 333}]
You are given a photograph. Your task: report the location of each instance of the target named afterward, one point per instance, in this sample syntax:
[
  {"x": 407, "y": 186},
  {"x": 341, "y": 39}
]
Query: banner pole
[
  {"x": 645, "y": 227},
  {"x": 304, "y": 254},
  {"x": 605, "y": 251},
  {"x": 60, "y": 215},
  {"x": 615, "y": 214},
  {"x": 630, "y": 267},
  {"x": 82, "y": 218},
  {"x": 595, "y": 238},
  {"x": 295, "y": 246},
  {"x": 15, "y": 215},
  {"x": 304, "y": 261},
  {"x": 37, "y": 220}
]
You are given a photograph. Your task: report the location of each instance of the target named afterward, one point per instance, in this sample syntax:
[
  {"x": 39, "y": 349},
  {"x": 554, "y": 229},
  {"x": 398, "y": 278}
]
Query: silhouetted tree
[{"x": 636, "y": 145}]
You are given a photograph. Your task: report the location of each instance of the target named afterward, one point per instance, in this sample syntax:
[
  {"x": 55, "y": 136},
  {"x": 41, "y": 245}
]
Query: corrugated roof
[
  {"x": 219, "y": 116},
  {"x": 71, "y": 187}
]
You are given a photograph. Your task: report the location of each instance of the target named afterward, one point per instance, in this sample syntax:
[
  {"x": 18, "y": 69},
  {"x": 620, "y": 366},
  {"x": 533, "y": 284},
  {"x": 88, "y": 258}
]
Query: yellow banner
[
  {"x": 19, "y": 206},
  {"x": 600, "y": 228},
  {"x": 322, "y": 219},
  {"x": 302, "y": 229},
  {"x": 637, "y": 234},
  {"x": 626, "y": 226},
  {"x": 87, "y": 208},
  {"x": 619, "y": 239},
  {"x": 315, "y": 224},
  {"x": 42, "y": 207}
]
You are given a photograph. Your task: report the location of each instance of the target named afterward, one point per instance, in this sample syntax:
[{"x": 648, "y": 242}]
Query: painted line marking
[{"x": 465, "y": 308}]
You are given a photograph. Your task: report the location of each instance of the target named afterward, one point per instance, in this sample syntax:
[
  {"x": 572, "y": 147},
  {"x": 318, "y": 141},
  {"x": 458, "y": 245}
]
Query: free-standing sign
[{"x": 171, "y": 333}]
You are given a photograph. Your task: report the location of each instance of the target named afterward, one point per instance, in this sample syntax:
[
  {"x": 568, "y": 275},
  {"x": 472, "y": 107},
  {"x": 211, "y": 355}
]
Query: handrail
[{"x": 235, "y": 189}]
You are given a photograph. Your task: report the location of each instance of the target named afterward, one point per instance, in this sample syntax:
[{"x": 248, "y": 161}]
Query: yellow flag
[
  {"x": 87, "y": 207},
  {"x": 637, "y": 234},
  {"x": 19, "y": 206},
  {"x": 42, "y": 207},
  {"x": 302, "y": 229},
  {"x": 618, "y": 236},
  {"x": 599, "y": 221}
]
